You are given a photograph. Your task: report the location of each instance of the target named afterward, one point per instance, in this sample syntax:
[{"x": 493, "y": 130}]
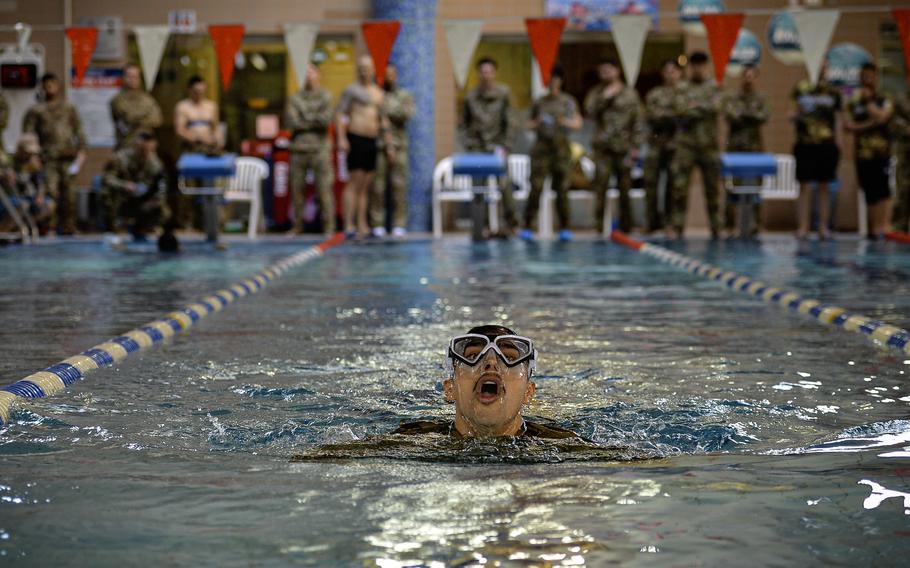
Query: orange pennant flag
[
  {"x": 544, "y": 34},
  {"x": 902, "y": 17},
  {"x": 227, "y": 40},
  {"x": 723, "y": 29},
  {"x": 83, "y": 42},
  {"x": 380, "y": 38}
]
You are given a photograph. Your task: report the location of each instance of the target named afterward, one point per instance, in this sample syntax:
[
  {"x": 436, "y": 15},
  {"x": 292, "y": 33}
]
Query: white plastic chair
[{"x": 246, "y": 185}]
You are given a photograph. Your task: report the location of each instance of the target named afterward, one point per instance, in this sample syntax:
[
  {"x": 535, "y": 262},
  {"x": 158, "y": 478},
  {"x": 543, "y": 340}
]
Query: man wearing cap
[
  {"x": 28, "y": 181},
  {"x": 134, "y": 187},
  {"x": 308, "y": 115},
  {"x": 697, "y": 104},
  {"x": 58, "y": 128},
  {"x": 133, "y": 109}
]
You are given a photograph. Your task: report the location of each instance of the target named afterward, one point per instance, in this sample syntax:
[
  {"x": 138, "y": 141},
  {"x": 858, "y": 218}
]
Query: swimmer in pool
[{"x": 489, "y": 381}]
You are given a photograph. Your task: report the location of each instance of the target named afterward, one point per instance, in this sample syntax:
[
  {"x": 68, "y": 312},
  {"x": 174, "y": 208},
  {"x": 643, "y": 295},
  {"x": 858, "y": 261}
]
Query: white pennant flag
[
  {"x": 151, "y": 41},
  {"x": 815, "y": 29},
  {"x": 629, "y": 32},
  {"x": 462, "y": 37},
  {"x": 300, "y": 39}
]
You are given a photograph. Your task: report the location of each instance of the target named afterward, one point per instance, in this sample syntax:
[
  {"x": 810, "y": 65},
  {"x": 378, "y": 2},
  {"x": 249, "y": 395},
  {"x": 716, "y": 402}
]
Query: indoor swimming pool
[{"x": 718, "y": 428}]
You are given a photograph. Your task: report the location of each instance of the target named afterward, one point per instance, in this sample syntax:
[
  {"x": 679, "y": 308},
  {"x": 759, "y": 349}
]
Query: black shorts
[
  {"x": 872, "y": 176},
  {"x": 362, "y": 155},
  {"x": 816, "y": 162}
]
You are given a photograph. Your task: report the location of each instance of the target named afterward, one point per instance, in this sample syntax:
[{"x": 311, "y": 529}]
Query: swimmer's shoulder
[
  {"x": 538, "y": 430},
  {"x": 532, "y": 429}
]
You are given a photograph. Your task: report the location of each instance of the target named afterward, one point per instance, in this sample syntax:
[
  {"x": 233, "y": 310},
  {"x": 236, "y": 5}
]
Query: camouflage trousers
[
  {"x": 686, "y": 158},
  {"x": 612, "y": 164},
  {"x": 901, "y": 218},
  {"x": 139, "y": 214},
  {"x": 658, "y": 160},
  {"x": 396, "y": 178},
  {"x": 61, "y": 186},
  {"x": 732, "y": 200},
  {"x": 555, "y": 162},
  {"x": 320, "y": 163}
]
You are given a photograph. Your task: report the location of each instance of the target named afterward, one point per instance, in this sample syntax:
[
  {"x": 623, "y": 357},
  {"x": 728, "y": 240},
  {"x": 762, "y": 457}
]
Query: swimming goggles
[{"x": 512, "y": 349}]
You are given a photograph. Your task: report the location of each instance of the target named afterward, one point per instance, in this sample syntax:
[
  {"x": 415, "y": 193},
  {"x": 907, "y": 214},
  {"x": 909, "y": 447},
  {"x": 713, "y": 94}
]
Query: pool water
[{"x": 731, "y": 431}]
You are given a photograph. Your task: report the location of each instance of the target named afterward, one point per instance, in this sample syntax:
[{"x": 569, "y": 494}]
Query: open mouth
[{"x": 489, "y": 388}]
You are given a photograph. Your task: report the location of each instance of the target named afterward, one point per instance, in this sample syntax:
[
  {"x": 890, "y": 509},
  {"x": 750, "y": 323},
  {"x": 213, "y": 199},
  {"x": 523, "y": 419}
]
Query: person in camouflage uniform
[
  {"x": 696, "y": 105},
  {"x": 619, "y": 133},
  {"x": 817, "y": 151},
  {"x": 29, "y": 181},
  {"x": 868, "y": 117},
  {"x": 487, "y": 127},
  {"x": 4, "y": 114},
  {"x": 133, "y": 186},
  {"x": 392, "y": 161},
  {"x": 745, "y": 110},
  {"x": 900, "y": 131},
  {"x": 59, "y": 130},
  {"x": 308, "y": 115},
  {"x": 661, "y": 122},
  {"x": 552, "y": 116},
  {"x": 133, "y": 109}
]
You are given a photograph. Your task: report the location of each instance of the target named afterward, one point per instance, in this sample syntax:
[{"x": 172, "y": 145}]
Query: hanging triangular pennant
[
  {"x": 227, "y": 40},
  {"x": 380, "y": 37},
  {"x": 629, "y": 33},
  {"x": 902, "y": 17},
  {"x": 723, "y": 30},
  {"x": 300, "y": 39},
  {"x": 815, "y": 29},
  {"x": 462, "y": 37},
  {"x": 544, "y": 34},
  {"x": 151, "y": 40},
  {"x": 83, "y": 42}
]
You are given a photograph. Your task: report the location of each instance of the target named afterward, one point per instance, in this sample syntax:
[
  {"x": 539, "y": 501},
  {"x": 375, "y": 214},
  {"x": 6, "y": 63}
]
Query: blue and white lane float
[
  {"x": 59, "y": 376},
  {"x": 881, "y": 333}
]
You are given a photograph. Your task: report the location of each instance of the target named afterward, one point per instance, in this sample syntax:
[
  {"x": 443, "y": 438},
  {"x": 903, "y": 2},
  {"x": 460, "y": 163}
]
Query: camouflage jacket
[
  {"x": 486, "y": 121},
  {"x": 817, "y": 108},
  {"x": 745, "y": 114},
  {"x": 618, "y": 120},
  {"x": 548, "y": 111},
  {"x": 58, "y": 128},
  {"x": 874, "y": 142},
  {"x": 660, "y": 114},
  {"x": 133, "y": 110},
  {"x": 696, "y": 106},
  {"x": 4, "y": 113},
  {"x": 900, "y": 121},
  {"x": 308, "y": 115},
  {"x": 398, "y": 106},
  {"x": 126, "y": 167}
]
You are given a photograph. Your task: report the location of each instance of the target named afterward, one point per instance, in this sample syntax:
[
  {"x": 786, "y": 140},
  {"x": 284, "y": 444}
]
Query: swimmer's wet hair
[{"x": 492, "y": 331}]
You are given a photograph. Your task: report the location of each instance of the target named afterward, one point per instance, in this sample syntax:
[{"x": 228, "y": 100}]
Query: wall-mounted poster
[{"x": 594, "y": 15}]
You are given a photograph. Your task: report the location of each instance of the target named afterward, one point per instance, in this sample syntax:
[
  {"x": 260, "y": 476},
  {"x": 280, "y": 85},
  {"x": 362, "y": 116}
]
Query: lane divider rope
[
  {"x": 898, "y": 237},
  {"x": 879, "y": 332},
  {"x": 59, "y": 376}
]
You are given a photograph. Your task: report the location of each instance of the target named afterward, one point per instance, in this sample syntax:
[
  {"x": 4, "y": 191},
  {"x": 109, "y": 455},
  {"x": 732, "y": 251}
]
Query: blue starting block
[
  {"x": 208, "y": 169},
  {"x": 743, "y": 173},
  {"x": 480, "y": 167}
]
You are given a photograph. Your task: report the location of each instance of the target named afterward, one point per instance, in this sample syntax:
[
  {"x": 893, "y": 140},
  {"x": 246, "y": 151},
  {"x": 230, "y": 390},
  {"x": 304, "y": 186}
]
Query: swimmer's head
[{"x": 490, "y": 380}]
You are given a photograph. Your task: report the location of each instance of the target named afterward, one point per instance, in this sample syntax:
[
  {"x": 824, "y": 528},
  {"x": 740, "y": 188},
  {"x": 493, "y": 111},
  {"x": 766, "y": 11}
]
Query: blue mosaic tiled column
[{"x": 413, "y": 55}]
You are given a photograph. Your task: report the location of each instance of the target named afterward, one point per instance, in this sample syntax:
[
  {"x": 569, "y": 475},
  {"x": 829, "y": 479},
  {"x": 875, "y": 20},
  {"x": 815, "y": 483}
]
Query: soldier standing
[
  {"x": 134, "y": 186},
  {"x": 616, "y": 111},
  {"x": 695, "y": 142},
  {"x": 661, "y": 121},
  {"x": 900, "y": 130},
  {"x": 4, "y": 114},
  {"x": 746, "y": 111},
  {"x": 487, "y": 128},
  {"x": 392, "y": 166},
  {"x": 59, "y": 130},
  {"x": 869, "y": 113},
  {"x": 552, "y": 116},
  {"x": 133, "y": 109},
  {"x": 308, "y": 115}
]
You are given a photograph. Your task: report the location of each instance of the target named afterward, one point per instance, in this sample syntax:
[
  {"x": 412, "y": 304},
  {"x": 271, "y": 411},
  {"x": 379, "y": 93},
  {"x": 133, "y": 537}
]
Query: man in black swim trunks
[{"x": 489, "y": 382}]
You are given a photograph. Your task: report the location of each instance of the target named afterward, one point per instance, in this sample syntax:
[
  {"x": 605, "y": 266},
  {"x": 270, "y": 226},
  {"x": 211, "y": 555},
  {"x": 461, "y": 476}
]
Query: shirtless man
[
  {"x": 359, "y": 123},
  {"x": 196, "y": 120}
]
